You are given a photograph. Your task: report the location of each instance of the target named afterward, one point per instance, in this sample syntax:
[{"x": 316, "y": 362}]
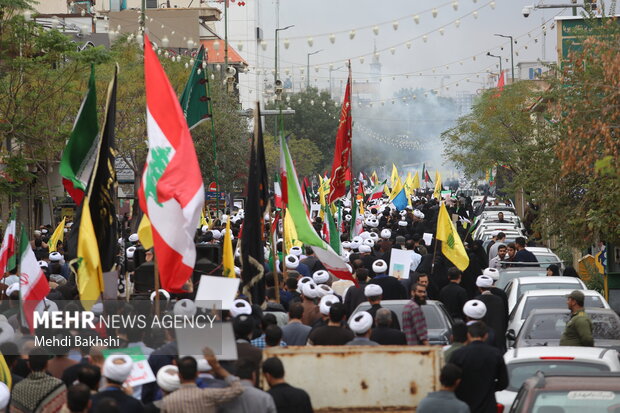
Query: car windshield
[
  {"x": 519, "y": 372},
  {"x": 556, "y": 301},
  {"x": 546, "y": 286},
  {"x": 551, "y": 326},
  {"x": 577, "y": 401},
  {"x": 546, "y": 258},
  {"x": 505, "y": 276},
  {"x": 432, "y": 317}
]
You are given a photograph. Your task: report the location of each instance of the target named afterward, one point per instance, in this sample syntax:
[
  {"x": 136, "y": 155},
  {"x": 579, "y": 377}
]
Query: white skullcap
[
  {"x": 292, "y": 262},
  {"x": 324, "y": 289},
  {"x": 364, "y": 235},
  {"x": 354, "y": 245},
  {"x": 386, "y": 233},
  {"x": 165, "y": 293},
  {"x": 204, "y": 229},
  {"x": 309, "y": 290},
  {"x": 326, "y": 303},
  {"x": 240, "y": 307},
  {"x": 364, "y": 248},
  {"x": 130, "y": 252},
  {"x": 216, "y": 234},
  {"x": 134, "y": 238},
  {"x": 203, "y": 365},
  {"x": 184, "y": 307},
  {"x": 320, "y": 276},
  {"x": 12, "y": 288},
  {"x": 475, "y": 309},
  {"x": 6, "y": 331},
  {"x": 492, "y": 272},
  {"x": 168, "y": 378},
  {"x": 379, "y": 267},
  {"x": 370, "y": 242},
  {"x": 97, "y": 308},
  {"x": 374, "y": 236},
  {"x": 296, "y": 251},
  {"x": 55, "y": 256},
  {"x": 484, "y": 281},
  {"x": 12, "y": 279},
  {"x": 5, "y": 395},
  {"x": 373, "y": 290},
  {"x": 357, "y": 240},
  {"x": 361, "y": 322},
  {"x": 418, "y": 214},
  {"x": 117, "y": 367},
  {"x": 402, "y": 223}
]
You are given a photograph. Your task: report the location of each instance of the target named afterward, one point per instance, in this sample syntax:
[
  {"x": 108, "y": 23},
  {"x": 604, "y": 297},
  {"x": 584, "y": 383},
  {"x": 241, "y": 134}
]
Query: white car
[
  {"x": 523, "y": 363},
  {"x": 518, "y": 286},
  {"x": 545, "y": 256},
  {"x": 548, "y": 299}
]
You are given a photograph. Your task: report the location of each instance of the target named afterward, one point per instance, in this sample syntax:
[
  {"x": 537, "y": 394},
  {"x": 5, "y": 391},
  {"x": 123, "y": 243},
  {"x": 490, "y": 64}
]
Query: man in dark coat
[
  {"x": 496, "y": 316},
  {"x": 355, "y": 295},
  {"x": 392, "y": 288},
  {"x": 484, "y": 371},
  {"x": 453, "y": 296},
  {"x": 383, "y": 333}
]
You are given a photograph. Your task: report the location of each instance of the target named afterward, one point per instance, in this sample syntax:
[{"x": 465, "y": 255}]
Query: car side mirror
[{"x": 510, "y": 335}]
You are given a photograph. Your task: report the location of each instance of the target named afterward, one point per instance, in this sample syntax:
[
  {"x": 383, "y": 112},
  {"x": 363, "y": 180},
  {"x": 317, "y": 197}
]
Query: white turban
[
  {"x": 475, "y": 309},
  {"x": 296, "y": 251},
  {"x": 309, "y": 290},
  {"x": 379, "y": 267},
  {"x": 134, "y": 238},
  {"x": 184, "y": 307},
  {"x": 484, "y": 281},
  {"x": 386, "y": 233},
  {"x": 327, "y": 302},
  {"x": 324, "y": 289},
  {"x": 364, "y": 248},
  {"x": 320, "y": 276},
  {"x": 361, "y": 322},
  {"x": 491, "y": 272},
  {"x": 240, "y": 307},
  {"x": 117, "y": 367},
  {"x": 168, "y": 378},
  {"x": 373, "y": 290},
  {"x": 5, "y": 395},
  {"x": 292, "y": 262}
]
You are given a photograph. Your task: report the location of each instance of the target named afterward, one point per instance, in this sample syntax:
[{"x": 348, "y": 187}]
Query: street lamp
[
  {"x": 500, "y": 62},
  {"x": 330, "y": 79},
  {"x": 275, "y": 78},
  {"x": 277, "y": 86},
  {"x": 308, "y": 71},
  {"x": 512, "y": 56}
]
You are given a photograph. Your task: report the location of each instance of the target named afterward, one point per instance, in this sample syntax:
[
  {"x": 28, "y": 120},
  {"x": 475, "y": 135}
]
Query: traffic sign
[{"x": 212, "y": 187}]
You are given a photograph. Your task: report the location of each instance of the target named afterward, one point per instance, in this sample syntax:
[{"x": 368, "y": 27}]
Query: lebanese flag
[
  {"x": 7, "y": 250},
  {"x": 283, "y": 180},
  {"x": 171, "y": 192},
  {"x": 341, "y": 166},
  {"x": 33, "y": 284},
  {"x": 277, "y": 190},
  {"x": 305, "y": 232},
  {"x": 377, "y": 191}
]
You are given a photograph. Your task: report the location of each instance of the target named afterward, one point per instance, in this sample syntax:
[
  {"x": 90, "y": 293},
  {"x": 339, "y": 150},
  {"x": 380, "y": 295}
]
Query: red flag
[
  {"x": 342, "y": 153},
  {"x": 500, "y": 84}
]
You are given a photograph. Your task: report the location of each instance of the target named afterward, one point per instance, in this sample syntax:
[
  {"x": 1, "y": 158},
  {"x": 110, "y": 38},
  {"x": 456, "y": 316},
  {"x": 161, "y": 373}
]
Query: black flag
[{"x": 252, "y": 237}]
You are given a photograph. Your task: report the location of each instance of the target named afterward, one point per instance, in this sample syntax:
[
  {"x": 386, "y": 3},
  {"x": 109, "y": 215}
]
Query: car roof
[
  {"x": 547, "y": 280},
  {"x": 590, "y": 310},
  {"x": 536, "y": 352},
  {"x": 601, "y": 381},
  {"x": 540, "y": 249},
  {"x": 562, "y": 291},
  {"x": 534, "y": 268}
]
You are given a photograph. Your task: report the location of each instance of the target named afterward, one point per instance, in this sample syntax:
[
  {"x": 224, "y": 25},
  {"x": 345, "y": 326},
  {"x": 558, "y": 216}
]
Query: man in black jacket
[
  {"x": 288, "y": 399},
  {"x": 484, "y": 371},
  {"x": 383, "y": 333},
  {"x": 453, "y": 296},
  {"x": 496, "y": 316}
]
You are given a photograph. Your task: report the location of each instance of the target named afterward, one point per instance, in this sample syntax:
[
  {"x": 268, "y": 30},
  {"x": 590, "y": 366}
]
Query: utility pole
[{"x": 512, "y": 56}]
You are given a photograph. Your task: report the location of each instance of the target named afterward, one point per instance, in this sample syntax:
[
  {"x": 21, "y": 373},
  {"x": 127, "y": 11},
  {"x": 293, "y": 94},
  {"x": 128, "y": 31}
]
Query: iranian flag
[
  {"x": 7, "y": 250},
  {"x": 277, "y": 192},
  {"x": 305, "y": 232},
  {"x": 33, "y": 284},
  {"x": 377, "y": 191},
  {"x": 171, "y": 192},
  {"x": 78, "y": 158}
]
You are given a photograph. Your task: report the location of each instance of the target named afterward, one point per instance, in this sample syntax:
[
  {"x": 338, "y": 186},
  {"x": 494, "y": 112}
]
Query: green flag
[
  {"x": 334, "y": 235},
  {"x": 194, "y": 100}
]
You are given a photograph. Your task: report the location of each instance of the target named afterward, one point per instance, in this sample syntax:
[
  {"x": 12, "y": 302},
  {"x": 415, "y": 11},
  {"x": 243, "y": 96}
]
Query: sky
[{"x": 443, "y": 59}]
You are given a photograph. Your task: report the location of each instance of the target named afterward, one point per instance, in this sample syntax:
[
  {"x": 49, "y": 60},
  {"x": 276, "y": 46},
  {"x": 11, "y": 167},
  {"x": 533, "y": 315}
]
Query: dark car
[
  {"x": 544, "y": 327},
  {"x": 558, "y": 393},
  {"x": 438, "y": 321}
]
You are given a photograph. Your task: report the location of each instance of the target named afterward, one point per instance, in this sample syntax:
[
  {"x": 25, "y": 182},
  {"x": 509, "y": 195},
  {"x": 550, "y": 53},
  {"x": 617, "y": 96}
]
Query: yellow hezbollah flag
[
  {"x": 58, "y": 235},
  {"x": 374, "y": 178},
  {"x": 228, "y": 259},
  {"x": 396, "y": 188},
  {"x": 145, "y": 232},
  {"x": 394, "y": 176},
  {"x": 416, "y": 182},
  {"x": 290, "y": 234},
  {"x": 409, "y": 184},
  {"x": 5, "y": 373},
  {"x": 203, "y": 220},
  {"x": 89, "y": 273},
  {"x": 437, "y": 193},
  {"x": 451, "y": 244}
]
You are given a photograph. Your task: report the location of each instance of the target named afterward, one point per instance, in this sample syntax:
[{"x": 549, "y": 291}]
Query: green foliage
[
  {"x": 305, "y": 153},
  {"x": 315, "y": 119}
]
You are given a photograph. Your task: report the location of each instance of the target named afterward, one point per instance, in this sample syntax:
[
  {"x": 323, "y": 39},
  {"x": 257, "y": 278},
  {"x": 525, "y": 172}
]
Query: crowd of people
[{"x": 305, "y": 305}]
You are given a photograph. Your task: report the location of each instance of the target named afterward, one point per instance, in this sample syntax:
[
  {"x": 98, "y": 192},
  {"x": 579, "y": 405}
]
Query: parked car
[
  {"x": 544, "y": 327},
  {"x": 508, "y": 274},
  {"x": 539, "y": 299},
  {"x": 523, "y": 363},
  {"x": 545, "y": 256},
  {"x": 518, "y": 286},
  {"x": 438, "y": 321},
  {"x": 569, "y": 393}
]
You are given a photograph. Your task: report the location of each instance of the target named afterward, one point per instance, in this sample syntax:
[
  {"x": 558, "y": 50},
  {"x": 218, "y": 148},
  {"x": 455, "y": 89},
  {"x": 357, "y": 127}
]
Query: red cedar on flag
[
  {"x": 171, "y": 192},
  {"x": 342, "y": 153},
  {"x": 7, "y": 250},
  {"x": 33, "y": 284}
]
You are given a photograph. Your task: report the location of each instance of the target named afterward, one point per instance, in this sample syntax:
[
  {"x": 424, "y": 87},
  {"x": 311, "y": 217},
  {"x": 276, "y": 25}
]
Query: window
[
  {"x": 519, "y": 372},
  {"x": 578, "y": 401}
]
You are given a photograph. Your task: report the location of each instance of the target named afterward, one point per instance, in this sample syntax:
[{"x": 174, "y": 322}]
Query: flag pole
[
  {"x": 274, "y": 251},
  {"x": 213, "y": 138},
  {"x": 156, "y": 275},
  {"x": 434, "y": 249}
]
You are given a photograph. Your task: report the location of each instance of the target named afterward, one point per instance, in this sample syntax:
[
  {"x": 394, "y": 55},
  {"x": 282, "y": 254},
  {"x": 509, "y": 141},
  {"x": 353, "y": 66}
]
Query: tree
[
  {"x": 305, "y": 153},
  {"x": 316, "y": 119}
]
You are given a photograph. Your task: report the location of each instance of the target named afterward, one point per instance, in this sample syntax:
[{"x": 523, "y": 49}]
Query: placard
[
  {"x": 428, "y": 239},
  {"x": 400, "y": 263},
  {"x": 220, "y": 339},
  {"x": 217, "y": 291}
]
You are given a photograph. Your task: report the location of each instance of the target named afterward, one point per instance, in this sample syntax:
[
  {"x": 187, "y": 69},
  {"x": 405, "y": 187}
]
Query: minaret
[{"x": 375, "y": 66}]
